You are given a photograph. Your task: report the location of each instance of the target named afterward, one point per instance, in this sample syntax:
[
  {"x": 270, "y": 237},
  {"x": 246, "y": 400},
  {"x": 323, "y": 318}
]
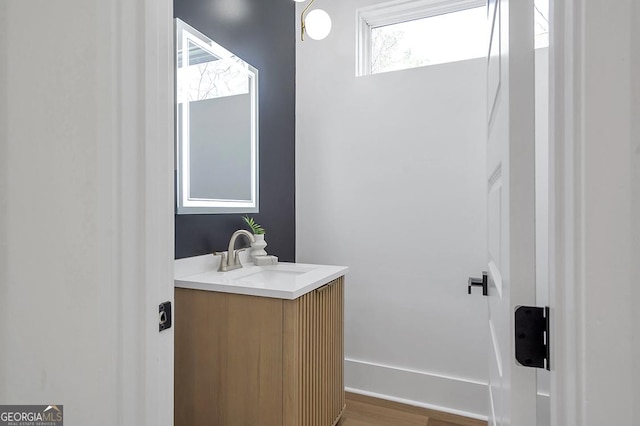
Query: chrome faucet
[{"x": 230, "y": 259}]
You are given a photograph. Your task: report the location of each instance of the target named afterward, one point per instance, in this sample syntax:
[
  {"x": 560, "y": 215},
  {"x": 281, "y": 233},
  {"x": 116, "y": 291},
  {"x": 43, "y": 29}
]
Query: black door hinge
[{"x": 532, "y": 336}]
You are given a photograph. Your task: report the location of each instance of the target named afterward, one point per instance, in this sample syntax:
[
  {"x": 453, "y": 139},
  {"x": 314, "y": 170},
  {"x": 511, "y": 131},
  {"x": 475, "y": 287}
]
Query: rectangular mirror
[{"x": 216, "y": 127}]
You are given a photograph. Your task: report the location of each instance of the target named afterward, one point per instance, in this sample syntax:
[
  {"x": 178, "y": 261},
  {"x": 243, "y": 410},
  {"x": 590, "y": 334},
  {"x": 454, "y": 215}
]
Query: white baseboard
[{"x": 453, "y": 395}]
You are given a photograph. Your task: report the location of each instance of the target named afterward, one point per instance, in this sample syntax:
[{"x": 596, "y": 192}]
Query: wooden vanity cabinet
[{"x": 258, "y": 361}]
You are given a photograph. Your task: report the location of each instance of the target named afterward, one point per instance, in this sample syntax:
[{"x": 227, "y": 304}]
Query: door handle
[{"x": 479, "y": 282}]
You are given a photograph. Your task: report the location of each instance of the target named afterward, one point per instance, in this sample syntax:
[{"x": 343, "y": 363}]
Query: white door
[
  {"x": 86, "y": 208},
  {"x": 510, "y": 204}
]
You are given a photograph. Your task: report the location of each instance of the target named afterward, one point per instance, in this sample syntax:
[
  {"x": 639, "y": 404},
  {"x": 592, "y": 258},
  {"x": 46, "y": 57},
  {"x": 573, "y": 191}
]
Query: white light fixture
[{"x": 316, "y": 24}]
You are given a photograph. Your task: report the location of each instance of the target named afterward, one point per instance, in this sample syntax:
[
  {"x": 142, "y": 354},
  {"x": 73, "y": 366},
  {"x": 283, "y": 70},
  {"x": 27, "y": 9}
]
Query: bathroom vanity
[{"x": 258, "y": 346}]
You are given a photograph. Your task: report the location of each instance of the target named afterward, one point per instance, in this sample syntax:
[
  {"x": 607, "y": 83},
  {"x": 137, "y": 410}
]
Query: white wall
[
  {"x": 86, "y": 247},
  {"x": 390, "y": 181}
]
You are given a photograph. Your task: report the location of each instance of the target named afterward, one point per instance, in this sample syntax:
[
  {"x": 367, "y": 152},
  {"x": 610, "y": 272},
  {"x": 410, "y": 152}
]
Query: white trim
[
  {"x": 495, "y": 184},
  {"x": 395, "y": 12},
  {"x": 565, "y": 219},
  {"x": 414, "y": 371},
  {"x": 497, "y": 354},
  {"x": 590, "y": 75},
  {"x": 158, "y": 78},
  {"x": 494, "y": 38},
  {"x": 131, "y": 353},
  {"x": 496, "y": 277},
  {"x": 432, "y": 390},
  {"x": 363, "y": 46},
  {"x": 143, "y": 115},
  {"x": 492, "y": 407},
  {"x": 495, "y": 180}
]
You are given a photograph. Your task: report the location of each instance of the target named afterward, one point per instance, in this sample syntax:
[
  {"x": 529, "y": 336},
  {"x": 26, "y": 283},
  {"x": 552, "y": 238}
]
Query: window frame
[{"x": 396, "y": 12}]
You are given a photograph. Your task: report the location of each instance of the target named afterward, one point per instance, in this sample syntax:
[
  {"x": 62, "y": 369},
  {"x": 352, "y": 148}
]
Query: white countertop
[{"x": 282, "y": 281}]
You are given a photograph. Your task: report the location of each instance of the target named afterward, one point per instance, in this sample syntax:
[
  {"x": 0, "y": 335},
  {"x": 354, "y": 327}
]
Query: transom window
[{"x": 412, "y": 33}]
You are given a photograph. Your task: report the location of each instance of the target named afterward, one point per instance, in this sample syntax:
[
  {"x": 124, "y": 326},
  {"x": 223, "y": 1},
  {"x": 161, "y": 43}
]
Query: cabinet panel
[
  {"x": 228, "y": 359},
  {"x": 257, "y": 361}
]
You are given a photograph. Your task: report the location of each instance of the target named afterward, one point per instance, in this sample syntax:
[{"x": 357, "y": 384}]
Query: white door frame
[
  {"x": 564, "y": 187},
  {"x": 143, "y": 32},
  {"x": 590, "y": 166},
  {"x": 145, "y": 257}
]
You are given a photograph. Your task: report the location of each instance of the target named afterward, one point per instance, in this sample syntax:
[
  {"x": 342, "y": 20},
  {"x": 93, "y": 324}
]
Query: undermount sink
[
  {"x": 273, "y": 273},
  {"x": 283, "y": 280}
]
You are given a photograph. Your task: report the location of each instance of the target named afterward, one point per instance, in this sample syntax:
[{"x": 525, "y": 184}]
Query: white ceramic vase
[{"x": 257, "y": 247}]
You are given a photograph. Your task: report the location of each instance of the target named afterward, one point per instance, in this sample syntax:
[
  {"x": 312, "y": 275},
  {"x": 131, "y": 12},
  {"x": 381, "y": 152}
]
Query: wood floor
[{"x": 366, "y": 411}]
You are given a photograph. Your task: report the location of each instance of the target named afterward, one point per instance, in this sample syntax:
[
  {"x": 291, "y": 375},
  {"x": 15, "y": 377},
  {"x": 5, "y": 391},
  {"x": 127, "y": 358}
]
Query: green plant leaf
[{"x": 255, "y": 228}]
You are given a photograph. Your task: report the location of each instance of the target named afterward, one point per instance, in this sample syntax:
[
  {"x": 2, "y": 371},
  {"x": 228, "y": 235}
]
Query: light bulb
[{"x": 317, "y": 24}]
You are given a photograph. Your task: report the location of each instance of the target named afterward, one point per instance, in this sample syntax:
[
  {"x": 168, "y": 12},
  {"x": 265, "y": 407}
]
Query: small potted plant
[{"x": 257, "y": 247}]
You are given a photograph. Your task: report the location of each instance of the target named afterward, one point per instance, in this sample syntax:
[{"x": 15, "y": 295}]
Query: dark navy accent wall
[{"x": 262, "y": 32}]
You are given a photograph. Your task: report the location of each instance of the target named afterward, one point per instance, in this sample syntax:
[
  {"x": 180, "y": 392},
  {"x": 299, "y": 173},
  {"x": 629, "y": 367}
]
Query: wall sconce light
[{"x": 316, "y": 24}]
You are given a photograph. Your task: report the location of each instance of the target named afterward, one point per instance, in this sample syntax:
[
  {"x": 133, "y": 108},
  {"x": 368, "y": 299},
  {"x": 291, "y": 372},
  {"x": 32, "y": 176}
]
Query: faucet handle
[
  {"x": 223, "y": 254},
  {"x": 236, "y": 255},
  {"x": 223, "y": 260}
]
